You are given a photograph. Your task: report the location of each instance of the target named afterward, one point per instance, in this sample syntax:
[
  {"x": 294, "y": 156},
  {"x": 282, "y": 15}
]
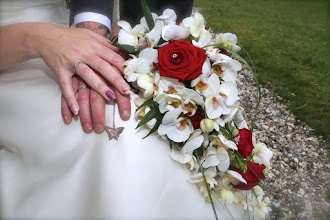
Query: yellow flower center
[
  {"x": 217, "y": 70},
  {"x": 200, "y": 86},
  {"x": 182, "y": 123}
]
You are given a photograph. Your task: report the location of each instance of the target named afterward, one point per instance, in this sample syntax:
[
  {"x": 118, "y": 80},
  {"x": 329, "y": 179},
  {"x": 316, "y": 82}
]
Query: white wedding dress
[{"x": 49, "y": 170}]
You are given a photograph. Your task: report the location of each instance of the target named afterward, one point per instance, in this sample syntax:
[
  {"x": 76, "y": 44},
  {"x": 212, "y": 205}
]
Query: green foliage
[
  {"x": 288, "y": 41},
  {"x": 147, "y": 14}
]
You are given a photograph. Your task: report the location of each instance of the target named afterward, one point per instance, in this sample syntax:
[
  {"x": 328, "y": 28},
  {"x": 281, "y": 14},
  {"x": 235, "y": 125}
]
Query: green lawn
[{"x": 288, "y": 41}]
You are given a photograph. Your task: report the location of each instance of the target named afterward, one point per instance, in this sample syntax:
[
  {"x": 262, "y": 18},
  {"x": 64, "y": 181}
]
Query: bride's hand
[
  {"x": 62, "y": 47},
  {"x": 92, "y": 105}
]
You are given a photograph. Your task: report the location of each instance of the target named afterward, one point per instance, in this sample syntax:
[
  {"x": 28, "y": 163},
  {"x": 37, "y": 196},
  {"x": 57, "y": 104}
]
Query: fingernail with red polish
[
  {"x": 75, "y": 109},
  {"x": 110, "y": 95},
  {"x": 127, "y": 91}
]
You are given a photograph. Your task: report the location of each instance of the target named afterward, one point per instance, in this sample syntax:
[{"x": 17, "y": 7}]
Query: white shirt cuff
[{"x": 92, "y": 16}]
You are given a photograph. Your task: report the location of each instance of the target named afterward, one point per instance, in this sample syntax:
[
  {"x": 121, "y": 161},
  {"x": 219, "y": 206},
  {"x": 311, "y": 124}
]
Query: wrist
[
  {"x": 40, "y": 36},
  {"x": 96, "y": 27}
]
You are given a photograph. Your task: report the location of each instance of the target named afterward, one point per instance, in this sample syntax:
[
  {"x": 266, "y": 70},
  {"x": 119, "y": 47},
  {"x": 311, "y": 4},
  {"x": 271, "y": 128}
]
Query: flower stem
[{"x": 207, "y": 187}]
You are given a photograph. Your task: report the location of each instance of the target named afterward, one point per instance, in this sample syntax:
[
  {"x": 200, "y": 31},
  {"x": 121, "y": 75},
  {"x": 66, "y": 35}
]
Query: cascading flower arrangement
[{"x": 186, "y": 81}]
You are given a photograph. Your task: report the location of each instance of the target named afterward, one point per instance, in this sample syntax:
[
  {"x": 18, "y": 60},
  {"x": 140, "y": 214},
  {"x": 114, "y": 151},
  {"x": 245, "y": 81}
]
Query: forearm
[{"x": 21, "y": 42}]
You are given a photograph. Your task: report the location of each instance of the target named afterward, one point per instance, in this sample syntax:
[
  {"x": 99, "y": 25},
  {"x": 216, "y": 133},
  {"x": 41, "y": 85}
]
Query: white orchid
[
  {"x": 219, "y": 97},
  {"x": 227, "y": 69},
  {"x": 128, "y": 35},
  {"x": 143, "y": 111},
  {"x": 196, "y": 25},
  {"x": 194, "y": 142},
  {"x": 177, "y": 129},
  {"x": 228, "y": 40},
  {"x": 168, "y": 102},
  {"x": 260, "y": 210},
  {"x": 217, "y": 157},
  {"x": 184, "y": 158},
  {"x": 168, "y": 16},
  {"x": 221, "y": 141},
  {"x": 144, "y": 23},
  {"x": 203, "y": 41},
  {"x": 210, "y": 173},
  {"x": 262, "y": 155},
  {"x": 154, "y": 35},
  {"x": 141, "y": 65},
  {"x": 146, "y": 83},
  {"x": 174, "y": 32},
  {"x": 259, "y": 192},
  {"x": 136, "y": 67},
  {"x": 241, "y": 199}
]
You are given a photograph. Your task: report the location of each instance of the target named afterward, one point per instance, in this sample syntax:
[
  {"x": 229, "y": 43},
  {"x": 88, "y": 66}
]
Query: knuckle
[
  {"x": 101, "y": 66},
  {"x": 116, "y": 59},
  {"x": 117, "y": 79}
]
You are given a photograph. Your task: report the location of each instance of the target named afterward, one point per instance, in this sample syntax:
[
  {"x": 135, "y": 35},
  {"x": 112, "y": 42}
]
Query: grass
[{"x": 288, "y": 41}]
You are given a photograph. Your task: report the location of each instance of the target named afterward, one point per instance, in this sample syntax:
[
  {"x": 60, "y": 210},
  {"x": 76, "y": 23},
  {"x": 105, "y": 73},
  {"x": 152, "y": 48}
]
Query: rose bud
[
  {"x": 244, "y": 142},
  {"x": 207, "y": 125}
]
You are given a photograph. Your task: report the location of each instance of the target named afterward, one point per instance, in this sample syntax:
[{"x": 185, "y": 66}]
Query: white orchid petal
[
  {"x": 223, "y": 158},
  {"x": 149, "y": 54},
  {"x": 188, "y": 22},
  {"x": 211, "y": 172},
  {"x": 126, "y": 38},
  {"x": 125, "y": 25},
  {"x": 211, "y": 160},
  {"x": 196, "y": 178},
  {"x": 143, "y": 67},
  {"x": 262, "y": 154},
  {"x": 195, "y": 141},
  {"x": 171, "y": 116},
  {"x": 236, "y": 176},
  {"x": 177, "y": 135},
  {"x": 195, "y": 31},
  {"x": 138, "y": 30},
  {"x": 199, "y": 20},
  {"x": 174, "y": 32}
]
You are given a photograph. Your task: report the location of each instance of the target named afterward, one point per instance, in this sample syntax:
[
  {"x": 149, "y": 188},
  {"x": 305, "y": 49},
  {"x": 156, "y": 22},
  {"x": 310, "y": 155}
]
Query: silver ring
[
  {"x": 83, "y": 86},
  {"x": 75, "y": 65}
]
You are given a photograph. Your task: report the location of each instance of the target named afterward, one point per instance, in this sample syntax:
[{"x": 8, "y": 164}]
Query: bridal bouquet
[{"x": 186, "y": 80}]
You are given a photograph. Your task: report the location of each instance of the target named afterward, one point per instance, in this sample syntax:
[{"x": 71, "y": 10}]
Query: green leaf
[
  {"x": 159, "y": 121},
  {"x": 225, "y": 133},
  {"x": 150, "y": 115},
  {"x": 147, "y": 14},
  {"x": 126, "y": 47},
  {"x": 148, "y": 102}
]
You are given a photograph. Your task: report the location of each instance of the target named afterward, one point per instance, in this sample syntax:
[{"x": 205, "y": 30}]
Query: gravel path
[{"x": 297, "y": 185}]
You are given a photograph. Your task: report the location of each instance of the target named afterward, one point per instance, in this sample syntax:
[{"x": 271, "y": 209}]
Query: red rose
[
  {"x": 196, "y": 119},
  {"x": 180, "y": 60},
  {"x": 244, "y": 142},
  {"x": 250, "y": 176}
]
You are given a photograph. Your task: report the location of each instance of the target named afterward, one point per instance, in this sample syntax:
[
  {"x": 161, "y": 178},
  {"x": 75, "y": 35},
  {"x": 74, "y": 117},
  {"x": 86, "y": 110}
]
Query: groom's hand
[{"x": 92, "y": 105}]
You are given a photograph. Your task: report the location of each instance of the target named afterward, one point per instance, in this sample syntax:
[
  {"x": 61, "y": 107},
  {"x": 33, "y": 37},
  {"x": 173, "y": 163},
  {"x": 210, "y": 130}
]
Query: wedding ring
[
  {"x": 75, "y": 65},
  {"x": 83, "y": 86}
]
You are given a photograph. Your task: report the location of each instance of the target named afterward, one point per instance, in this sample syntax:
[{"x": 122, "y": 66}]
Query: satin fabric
[{"x": 49, "y": 170}]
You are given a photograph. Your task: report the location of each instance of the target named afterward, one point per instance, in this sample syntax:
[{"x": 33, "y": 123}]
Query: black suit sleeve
[{"x": 104, "y": 7}]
